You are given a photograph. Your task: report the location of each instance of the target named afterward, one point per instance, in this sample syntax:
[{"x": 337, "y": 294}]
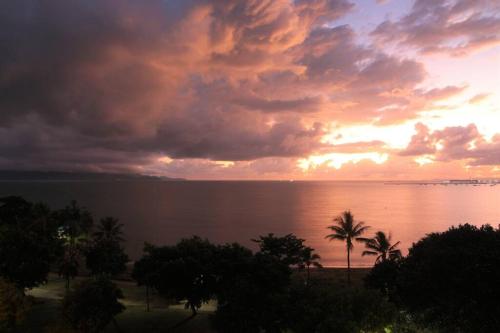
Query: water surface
[{"x": 163, "y": 212}]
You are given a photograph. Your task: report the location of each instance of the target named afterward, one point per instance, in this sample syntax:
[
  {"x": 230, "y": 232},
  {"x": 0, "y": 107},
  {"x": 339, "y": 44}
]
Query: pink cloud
[{"x": 455, "y": 27}]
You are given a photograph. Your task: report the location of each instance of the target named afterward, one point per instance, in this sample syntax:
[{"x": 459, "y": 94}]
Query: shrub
[
  {"x": 450, "y": 279},
  {"x": 92, "y": 305},
  {"x": 13, "y": 305}
]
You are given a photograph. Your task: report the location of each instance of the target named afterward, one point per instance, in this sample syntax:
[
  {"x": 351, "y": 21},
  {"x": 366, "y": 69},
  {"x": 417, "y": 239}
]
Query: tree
[
  {"x": 346, "y": 229},
  {"x": 327, "y": 308},
  {"x": 110, "y": 229},
  {"x": 145, "y": 271},
  {"x": 13, "y": 306},
  {"x": 383, "y": 277},
  {"x": 288, "y": 249},
  {"x": 104, "y": 253},
  {"x": 450, "y": 279},
  {"x": 309, "y": 258},
  {"x": 75, "y": 223},
  {"x": 68, "y": 265},
  {"x": 26, "y": 248},
  {"x": 92, "y": 305},
  {"x": 252, "y": 293},
  {"x": 181, "y": 272},
  {"x": 105, "y": 257},
  {"x": 381, "y": 246}
]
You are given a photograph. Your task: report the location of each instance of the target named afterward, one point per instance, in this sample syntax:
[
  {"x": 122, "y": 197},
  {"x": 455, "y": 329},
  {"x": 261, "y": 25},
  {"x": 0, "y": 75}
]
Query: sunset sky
[{"x": 255, "y": 89}]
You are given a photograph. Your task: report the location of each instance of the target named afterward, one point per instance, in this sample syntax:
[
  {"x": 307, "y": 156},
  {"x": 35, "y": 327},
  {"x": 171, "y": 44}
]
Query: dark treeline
[{"x": 448, "y": 282}]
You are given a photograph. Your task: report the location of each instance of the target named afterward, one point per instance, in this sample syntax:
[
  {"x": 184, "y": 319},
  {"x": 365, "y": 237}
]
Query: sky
[{"x": 255, "y": 89}]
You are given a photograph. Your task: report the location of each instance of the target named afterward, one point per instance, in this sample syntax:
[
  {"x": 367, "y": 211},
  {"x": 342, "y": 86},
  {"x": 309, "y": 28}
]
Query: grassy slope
[{"x": 46, "y": 310}]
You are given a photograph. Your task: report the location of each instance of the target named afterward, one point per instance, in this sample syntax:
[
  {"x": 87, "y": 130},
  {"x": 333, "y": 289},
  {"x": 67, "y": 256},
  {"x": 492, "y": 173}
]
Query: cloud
[
  {"x": 476, "y": 99},
  {"x": 455, "y": 27},
  {"x": 454, "y": 143},
  {"x": 114, "y": 85}
]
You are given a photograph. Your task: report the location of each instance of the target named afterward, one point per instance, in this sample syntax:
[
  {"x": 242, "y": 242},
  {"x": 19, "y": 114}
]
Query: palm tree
[
  {"x": 347, "y": 229},
  {"x": 381, "y": 246},
  {"x": 109, "y": 229},
  {"x": 309, "y": 258}
]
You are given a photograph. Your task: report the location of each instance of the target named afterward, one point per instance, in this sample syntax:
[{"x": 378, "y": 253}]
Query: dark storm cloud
[{"x": 116, "y": 84}]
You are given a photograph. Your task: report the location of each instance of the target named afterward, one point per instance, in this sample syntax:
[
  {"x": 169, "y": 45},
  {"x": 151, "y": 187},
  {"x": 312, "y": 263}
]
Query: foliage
[
  {"x": 383, "y": 277},
  {"x": 183, "y": 271},
  {"x": 253, "y": 292},
  {"x": 13, "y": 305},
  {"x": 331, "y": 309},
  {"x": 24, "y": 258},
  {"x": 381, "y": 246},
  {"x": 75, "y": 222},
  {"x": 28, "y": 242},
  {"x": 105, "y": 256},
  {"x": 109, "y": 229},
  {"x": 309, "y": 258},
  {"x": 451, "y": 279},
  {"x": 92, "y": 305},
  {"x": 287, "y": 249},
  {"x": 145, "y": 269},
  {"x": 346, "y": 229}
]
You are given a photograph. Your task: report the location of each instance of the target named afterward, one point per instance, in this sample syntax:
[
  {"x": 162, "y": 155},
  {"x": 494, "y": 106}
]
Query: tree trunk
[
  {"x": 115, "y": 324},
  {"x": 193, "y": 310},
  {"x": 147, "y": 298},
  {"x": 348, "y": 266},
  {"x": 308, "y": 275}
]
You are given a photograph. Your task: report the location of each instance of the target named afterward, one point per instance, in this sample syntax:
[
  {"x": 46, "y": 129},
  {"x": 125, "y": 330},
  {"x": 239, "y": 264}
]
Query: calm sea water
[{"x": 163, "y": 212}]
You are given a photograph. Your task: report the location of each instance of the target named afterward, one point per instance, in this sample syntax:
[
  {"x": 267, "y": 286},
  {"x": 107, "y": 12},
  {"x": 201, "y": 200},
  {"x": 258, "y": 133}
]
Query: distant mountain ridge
[{"x": 14, "y": 175}]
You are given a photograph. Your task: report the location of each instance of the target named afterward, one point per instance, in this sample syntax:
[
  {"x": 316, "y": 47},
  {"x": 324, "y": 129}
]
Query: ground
[{"x": 161, "y": 317}]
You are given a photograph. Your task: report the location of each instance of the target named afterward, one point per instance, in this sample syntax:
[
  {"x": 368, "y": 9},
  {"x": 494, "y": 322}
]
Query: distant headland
[{"x": 15, "y": 175}]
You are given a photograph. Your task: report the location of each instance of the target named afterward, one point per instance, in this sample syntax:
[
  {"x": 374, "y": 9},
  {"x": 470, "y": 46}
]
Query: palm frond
[{"x": 369, "y": 253}]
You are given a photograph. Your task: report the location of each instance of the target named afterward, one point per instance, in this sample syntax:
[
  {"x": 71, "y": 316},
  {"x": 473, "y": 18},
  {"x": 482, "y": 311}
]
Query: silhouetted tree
[
  {"x": 145, "y": 271},
  {"x": 75, "y": 223},
  {"x": 69, "y": 265},
  {"x": 346, "y": 229},
  {"x": 253, "y": 292},
  {"x": 104, "y": 253},
  {"x": 109, "y": 228},
  {"x": 105, "y": 257},
  {"x": 287, "y": 249},
  {"x": 451, "y": 279},
  {"x": 92, "y": 305},
  {"x": 13, "y": 306},
  {"x": 309, "y": 258},
  {"x": 26, "y": 251},
  {"x": 383, "y": 276},
  {"x": 381, "y": 246},
  {"x": 182, "y": 272},
  {"x": 327, "y": 308}
]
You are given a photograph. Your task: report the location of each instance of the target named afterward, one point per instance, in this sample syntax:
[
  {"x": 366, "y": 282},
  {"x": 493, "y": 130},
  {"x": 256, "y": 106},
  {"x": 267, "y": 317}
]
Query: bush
[
  {"x": 450, "y": 279},
  {"x": 252, "y": 293},
  {"x": 92, "y": 305},
  {"x": 383, "y": 277},
  {"x": 13, "y": 305},
  {"x": 333, "y": 309}
]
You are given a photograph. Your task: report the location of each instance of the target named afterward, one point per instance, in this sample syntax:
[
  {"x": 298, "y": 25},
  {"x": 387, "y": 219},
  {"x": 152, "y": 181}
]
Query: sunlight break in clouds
[{"x": 251, "y": 89}]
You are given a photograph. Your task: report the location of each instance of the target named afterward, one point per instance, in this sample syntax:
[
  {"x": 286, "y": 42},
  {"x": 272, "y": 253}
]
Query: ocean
[{"x": 162, "y": 212}]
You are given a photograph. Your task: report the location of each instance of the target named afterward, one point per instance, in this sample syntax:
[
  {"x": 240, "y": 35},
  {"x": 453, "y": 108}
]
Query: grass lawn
[{"x": 162, "y": 316}]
